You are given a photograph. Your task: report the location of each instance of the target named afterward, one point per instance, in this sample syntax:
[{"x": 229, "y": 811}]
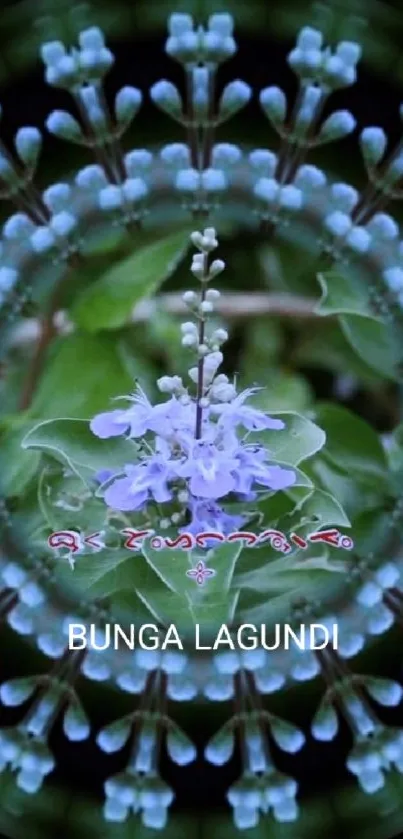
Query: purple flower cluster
[{"x": 197, "y": 472}]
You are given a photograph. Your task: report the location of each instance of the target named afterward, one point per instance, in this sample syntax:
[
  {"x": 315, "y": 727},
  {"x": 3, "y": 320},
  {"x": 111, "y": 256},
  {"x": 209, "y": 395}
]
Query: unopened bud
[
  {"x": 216, "y": 267},
  {"x": 166, "y": 96},
  {"x": 235, "y": 96},
  {"x": 63, "y": 125},
  {"x": 274, "y": 103}
]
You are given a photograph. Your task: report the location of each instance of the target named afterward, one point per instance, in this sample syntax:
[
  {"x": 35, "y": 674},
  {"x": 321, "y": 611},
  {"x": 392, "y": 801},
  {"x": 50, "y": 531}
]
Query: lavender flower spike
[{"x": 199, "y": 455}]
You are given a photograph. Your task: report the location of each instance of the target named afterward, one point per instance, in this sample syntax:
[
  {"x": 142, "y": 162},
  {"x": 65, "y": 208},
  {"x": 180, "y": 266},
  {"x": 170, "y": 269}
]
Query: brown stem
[{"x": 48, "y": 331}]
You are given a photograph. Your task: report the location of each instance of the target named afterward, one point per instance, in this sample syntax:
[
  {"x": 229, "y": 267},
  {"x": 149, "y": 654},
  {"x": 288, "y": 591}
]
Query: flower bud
[
  {"x": 216, "y": 267},
  {"x": 287, "y": 736},
  {"x": 75, "y": 723},
  {"x": 213, "y": 180},
  {"x": 187, "y": 180},
  {"x": 338, "y": 125},
  {"x": 274, "y": 103},
  {"x": 63, "y": 125},
  {"x": 28, "y": 142},
  {"x": 373, "y": 144},
  {"x": 180, "y": 748},
  {"x": 113, "y": 737},
  {"x": 167, "y": 97},
  {"x": 176, "y": 154},
  {"x": 127, "y": 103},
  {"x": 325, "y": 724},
  {"x": 16, "y": 691},
  {"x": 234, "y": 97}
]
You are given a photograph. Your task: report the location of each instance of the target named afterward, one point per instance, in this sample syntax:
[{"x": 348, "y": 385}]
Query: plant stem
[{"x": 200, "y": 365}]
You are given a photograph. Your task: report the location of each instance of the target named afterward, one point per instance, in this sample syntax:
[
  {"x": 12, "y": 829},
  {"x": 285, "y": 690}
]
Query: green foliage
[{"x": 108, "y": 303}]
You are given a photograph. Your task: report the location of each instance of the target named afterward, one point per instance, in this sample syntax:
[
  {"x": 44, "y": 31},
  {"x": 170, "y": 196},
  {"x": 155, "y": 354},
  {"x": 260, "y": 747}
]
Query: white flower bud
[
  {"x": 225, "y": 154},
  {"x": 358, "y": 239},
  {"x": 18, "y": 226},
  {"x": 338, "y": 223},
  {"x": 110, "y": 197},
  {"x": 134, "y": 189},
  {"x": 42, "y": 239},
  {"x": 113, "y": 737},
  {"x": 189, "y": 297},
  {"x": 56, "y": 197},
  {"x": 180, "y": 749},
  {"x": 325, "y": 723},
  {"x": 198, "y": 265},
  {"x": 167, "y": 97},
  {"x": 188, "y": 326},
  {"x": 213, "y": 180},
  {"x": 137, "y": 159},
  {"x": 17, "y": 691},
  {"x": 338, "y": 125},
  {"x": 234, "y": 97},
  {"x": 206, "y": 307},
  {"x": 385, "y": 691},
  {"x": 176, "y": 154},
  {"x": 222, "y": 24},
  {"x": 309, "y": 38},
  {"x": 370, "y": 594},
  {"x": 127, "y": 103},
  {"x": 63, "y": 125},
  {"x": 220, "y": 335},
  {"x": 309, "y": 177},
  {"x": 213, "y": 361},
  {"x": 75, "y": 724},
  {"x": 223, "y": 391},
  {"x": 91, "y": 177},
  {"x": 169, "y": 384},
  {"x": 63, "y": 223},
  {"x": 274, "y": 103},
  {"x": 187, "y": 180},
  {"x": 28, "y": 143},
  {"x": 12, "y": 575},
  {"x": 267, "y": 189},
  {"x": 373, "y": 144},
  {"x": 179, "y": 24},
  {"x": 287, "y": 736},
  {"x": 31, "y": 594},
  {"x": 52, "y": 52},
  {"x": 383, "y": 227},
  {"x": 388, "y": 575},
  {"x": 189, "y": 340},
  {"x": 216, "y": 267},
  {"x": 290, "y": 197},
  {"x": 264, "y": 161},
  {"x": 91, "y": 38},
  {"x": 394, "y": 278},
  {"x": 344, "y": 197},
  {"x": 212, "y": 294}
]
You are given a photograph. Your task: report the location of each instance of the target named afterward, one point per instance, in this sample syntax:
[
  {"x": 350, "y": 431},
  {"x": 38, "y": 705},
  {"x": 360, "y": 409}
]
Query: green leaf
[
  {"x": 67, "y": 503},
  {"x": 17, "y": 467},
  {"x": 351, "y": 443},
  {"x": 343, "y": 294},
  {"x": 374, "y": 342},
  {"x": 319, "y": 509},
  {"x": 300, "y": 438},
  {"x": 71, "y": 442},
  {"x": 171, "y": 566},
  {"x": 108, "y": 303},
  {"x": 82, "y": 376}
]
